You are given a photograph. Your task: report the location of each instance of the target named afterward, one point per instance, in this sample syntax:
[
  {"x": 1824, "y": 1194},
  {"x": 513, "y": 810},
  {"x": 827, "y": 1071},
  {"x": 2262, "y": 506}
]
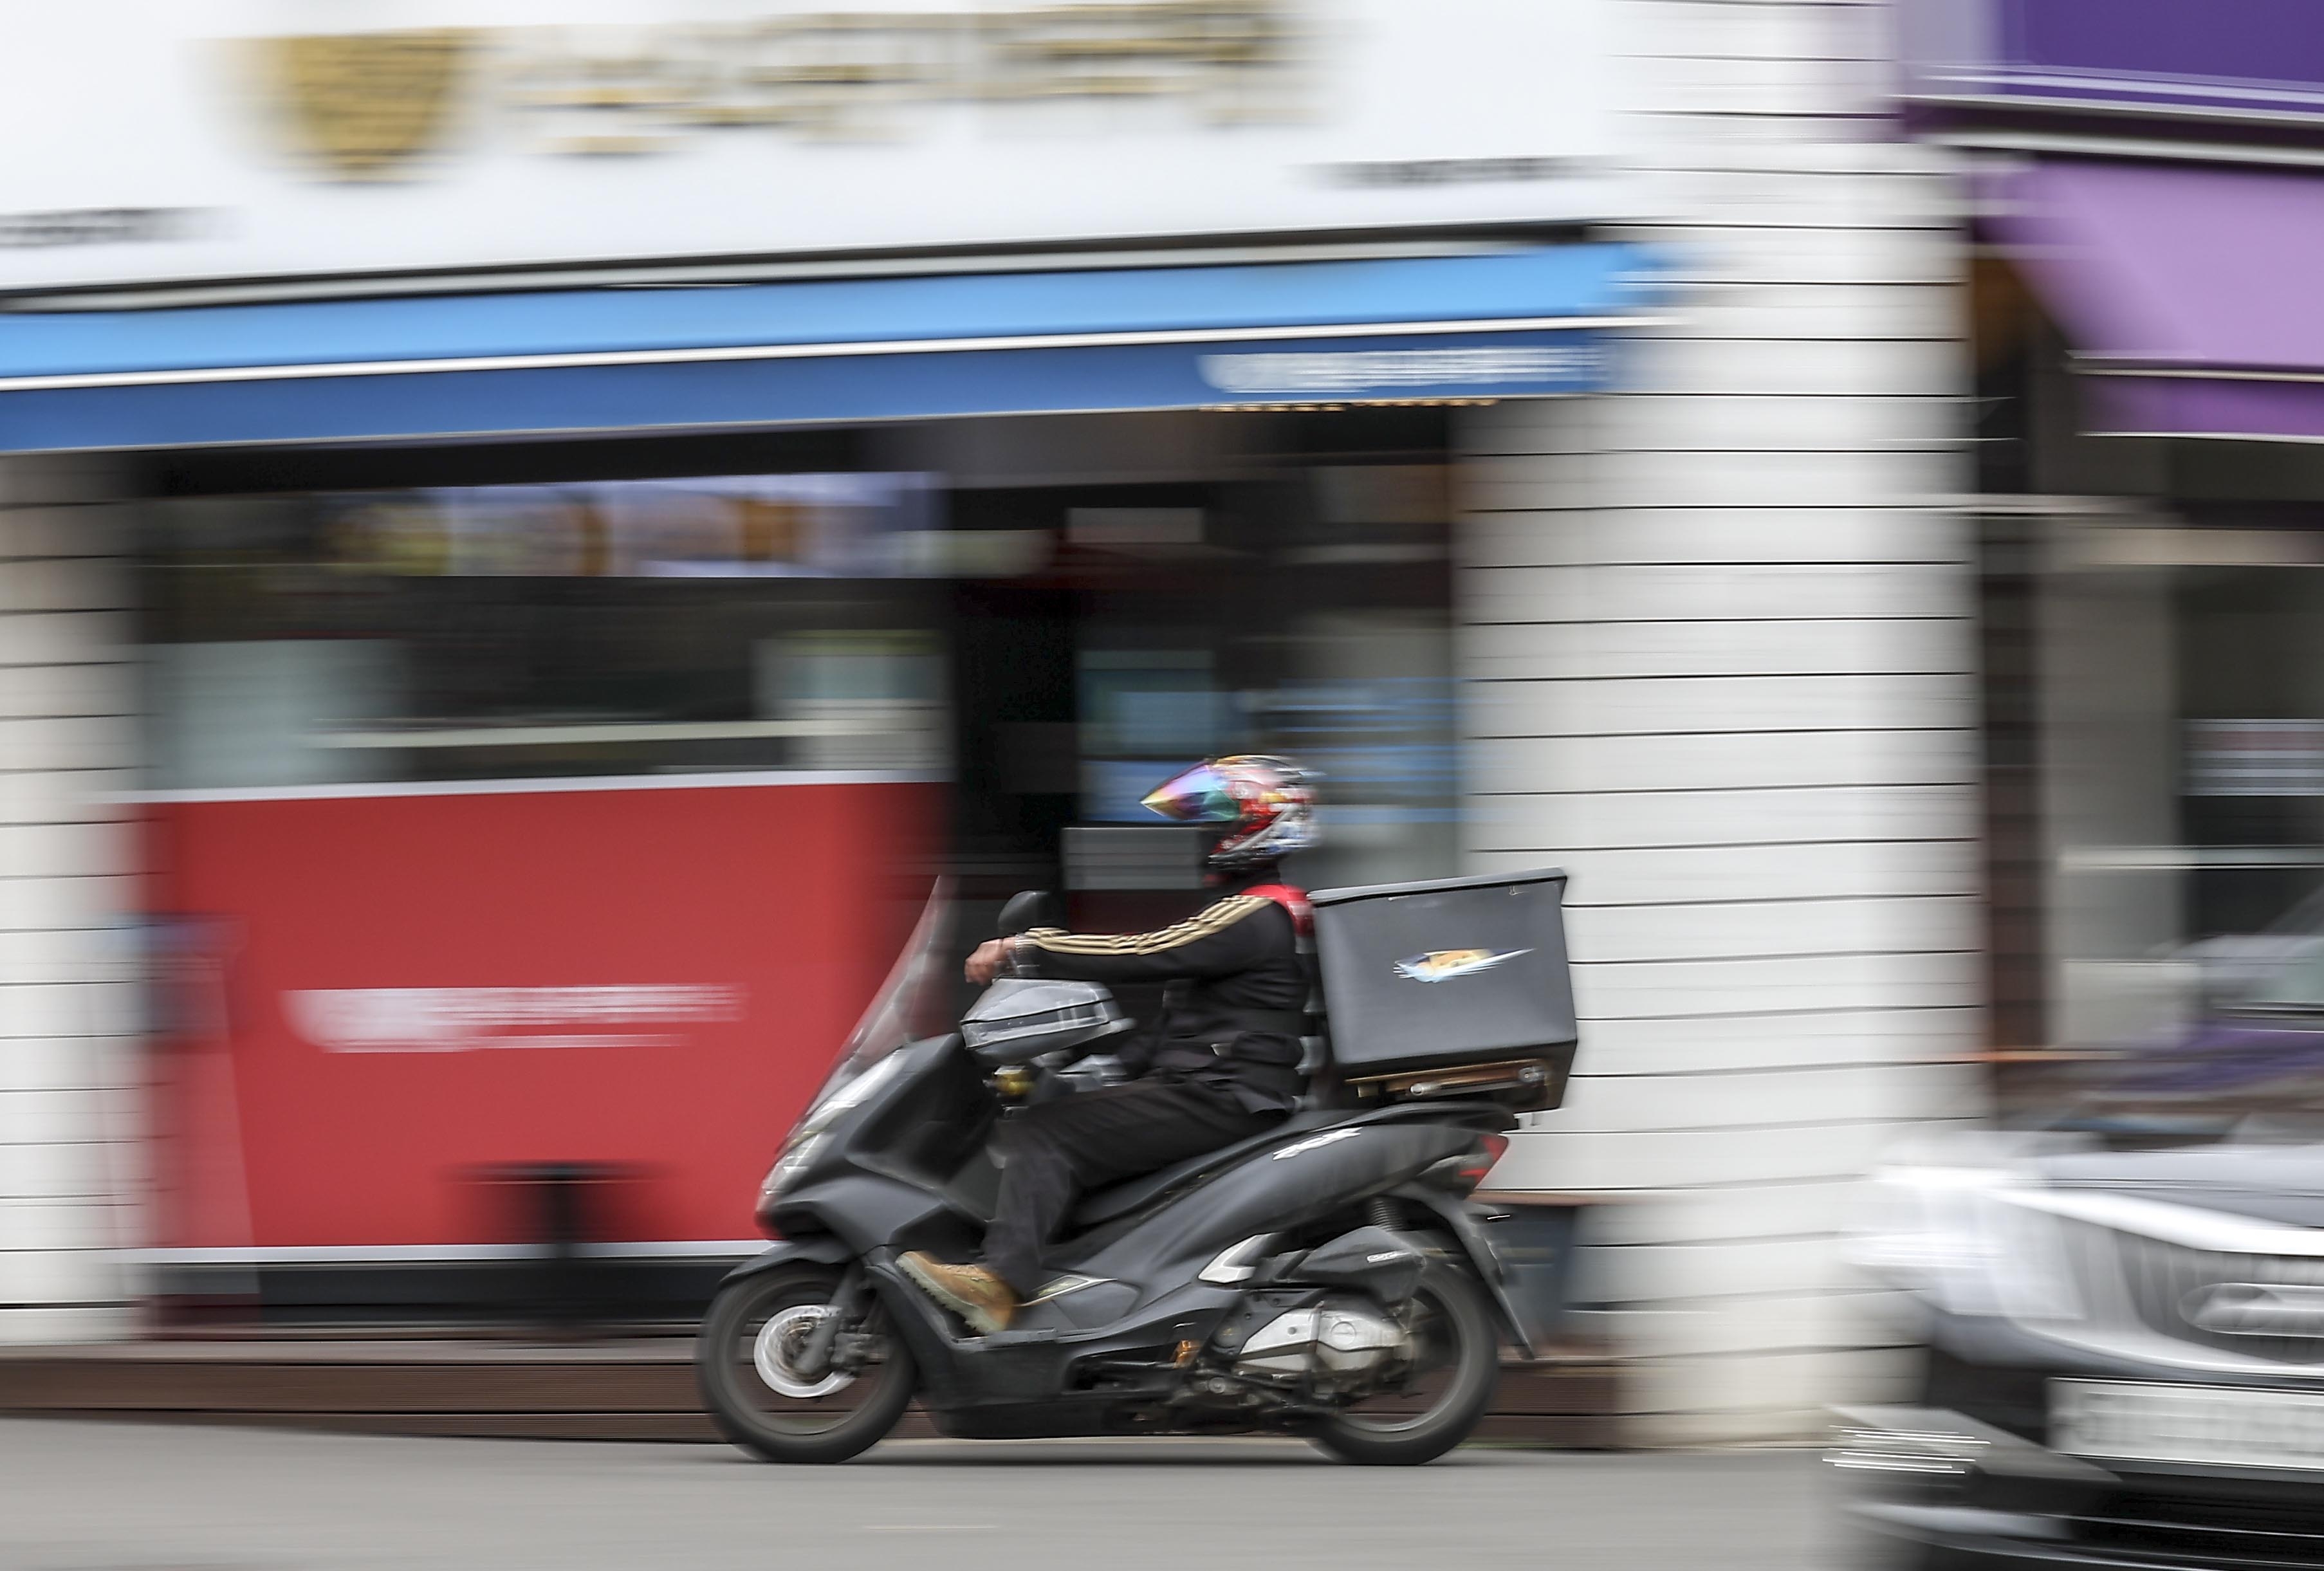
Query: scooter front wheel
[{"x": 763, "y": 1400}]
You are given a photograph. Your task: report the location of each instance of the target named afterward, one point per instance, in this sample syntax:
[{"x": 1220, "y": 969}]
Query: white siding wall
[
  {"x": 70, "y": 1117},
  {"x": 1720, "y": 640}
]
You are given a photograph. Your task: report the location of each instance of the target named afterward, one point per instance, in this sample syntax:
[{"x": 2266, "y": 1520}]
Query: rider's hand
[{"x": 986, "y": 963}]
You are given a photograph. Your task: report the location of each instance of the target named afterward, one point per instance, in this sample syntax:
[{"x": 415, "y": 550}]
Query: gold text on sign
[{"x": 369, "y": 105}]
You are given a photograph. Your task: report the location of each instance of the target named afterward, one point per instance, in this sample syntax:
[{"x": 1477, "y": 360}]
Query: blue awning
[{"x": 1522, "y": 322}]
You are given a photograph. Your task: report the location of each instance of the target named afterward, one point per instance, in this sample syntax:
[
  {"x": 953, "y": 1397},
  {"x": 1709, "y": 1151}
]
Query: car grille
[
  {"x": 2212, "y": 1530},
  {"x": 2163, "y": 1281}
]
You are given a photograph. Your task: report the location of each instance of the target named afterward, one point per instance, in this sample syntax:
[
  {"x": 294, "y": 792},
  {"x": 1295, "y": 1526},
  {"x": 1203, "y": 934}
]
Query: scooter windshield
[{"x": 909, "y": 1005}]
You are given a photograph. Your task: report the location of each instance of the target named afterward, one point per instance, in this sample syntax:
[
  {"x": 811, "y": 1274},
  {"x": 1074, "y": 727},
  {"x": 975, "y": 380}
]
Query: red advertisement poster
[{"x": 381, "y": 1004}]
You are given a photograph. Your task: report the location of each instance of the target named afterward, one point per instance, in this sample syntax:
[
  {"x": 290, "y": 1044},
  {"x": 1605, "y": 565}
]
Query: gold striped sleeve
[{"x": 1213, "y": 918}]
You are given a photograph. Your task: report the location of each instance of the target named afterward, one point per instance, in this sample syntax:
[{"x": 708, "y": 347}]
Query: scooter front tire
[{"x": 849, "y": 1420}]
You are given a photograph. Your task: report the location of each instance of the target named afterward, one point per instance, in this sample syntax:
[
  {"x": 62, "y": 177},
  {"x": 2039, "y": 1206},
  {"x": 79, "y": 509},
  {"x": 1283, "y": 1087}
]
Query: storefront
[
  {"x": 2148, "y": 181},
  {"x": 579, "y": 610},
  {"x": 506, "y": 824}
]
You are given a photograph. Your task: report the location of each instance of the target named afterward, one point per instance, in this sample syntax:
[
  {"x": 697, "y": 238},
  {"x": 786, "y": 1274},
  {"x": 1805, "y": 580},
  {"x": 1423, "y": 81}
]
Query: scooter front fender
[{"x": 823, "y": 1249}]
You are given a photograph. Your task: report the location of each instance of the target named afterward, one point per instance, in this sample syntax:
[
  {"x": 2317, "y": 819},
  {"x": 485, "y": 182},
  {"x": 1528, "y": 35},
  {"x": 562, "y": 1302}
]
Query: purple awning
[
  {"x": 2189, "y": 293},
  {"x": 2218, "y": 61}
]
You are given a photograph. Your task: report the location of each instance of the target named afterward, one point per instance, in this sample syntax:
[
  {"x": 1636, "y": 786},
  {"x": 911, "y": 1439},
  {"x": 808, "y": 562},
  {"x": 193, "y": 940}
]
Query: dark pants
[{"x": 1054, "y": 1152}]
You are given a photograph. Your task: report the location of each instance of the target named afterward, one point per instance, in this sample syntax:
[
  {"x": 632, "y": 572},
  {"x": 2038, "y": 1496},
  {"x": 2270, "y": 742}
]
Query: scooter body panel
[{"x": 1306, "y": 1177}]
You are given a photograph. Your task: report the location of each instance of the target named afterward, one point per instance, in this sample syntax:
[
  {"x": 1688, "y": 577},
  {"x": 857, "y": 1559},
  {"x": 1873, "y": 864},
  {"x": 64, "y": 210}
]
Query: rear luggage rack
[{"x": 1516, "y": 1074}]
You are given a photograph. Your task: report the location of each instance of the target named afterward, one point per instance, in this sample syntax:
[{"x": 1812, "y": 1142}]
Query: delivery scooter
[{"x": 1328, "y": 1278}]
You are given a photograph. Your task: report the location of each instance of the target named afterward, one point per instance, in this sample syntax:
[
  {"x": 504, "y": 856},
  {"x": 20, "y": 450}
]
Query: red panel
[{"x": 750, "y": 924}]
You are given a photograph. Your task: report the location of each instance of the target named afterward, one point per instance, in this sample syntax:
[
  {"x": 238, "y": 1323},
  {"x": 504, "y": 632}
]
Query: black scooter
[{"x": 1328, "y": 1278}]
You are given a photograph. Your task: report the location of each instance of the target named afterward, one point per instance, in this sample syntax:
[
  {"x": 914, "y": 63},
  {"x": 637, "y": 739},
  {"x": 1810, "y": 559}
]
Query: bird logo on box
[{"x": 1442, "y": 965}]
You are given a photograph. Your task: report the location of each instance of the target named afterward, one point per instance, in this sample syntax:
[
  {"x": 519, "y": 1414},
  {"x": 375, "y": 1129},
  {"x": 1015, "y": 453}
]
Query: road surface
[{"x": 133, "y": 1497}]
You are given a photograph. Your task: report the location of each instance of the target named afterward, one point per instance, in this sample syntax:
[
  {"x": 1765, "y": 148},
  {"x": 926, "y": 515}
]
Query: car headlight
[{"x": 1954, "y": 1237}]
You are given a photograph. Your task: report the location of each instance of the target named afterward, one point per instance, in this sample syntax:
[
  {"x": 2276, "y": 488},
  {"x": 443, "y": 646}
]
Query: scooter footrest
[{"x": 998, "y": 1340}]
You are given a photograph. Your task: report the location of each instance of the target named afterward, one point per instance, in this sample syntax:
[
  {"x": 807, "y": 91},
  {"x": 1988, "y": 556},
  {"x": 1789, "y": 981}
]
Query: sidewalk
[{"x": 628, "y": 1388}]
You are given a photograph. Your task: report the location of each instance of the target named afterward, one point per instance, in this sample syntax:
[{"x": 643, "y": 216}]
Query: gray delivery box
[{"x": 1455, "y": 987}]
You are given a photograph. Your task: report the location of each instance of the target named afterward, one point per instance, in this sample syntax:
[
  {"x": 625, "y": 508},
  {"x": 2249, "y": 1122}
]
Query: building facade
[{"x": 1554, "y": 425}]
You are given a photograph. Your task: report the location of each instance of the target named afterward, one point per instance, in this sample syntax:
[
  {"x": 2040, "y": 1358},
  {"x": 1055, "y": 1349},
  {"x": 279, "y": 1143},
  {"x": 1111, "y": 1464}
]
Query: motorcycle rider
[{"x": 1220, "y": 1065}]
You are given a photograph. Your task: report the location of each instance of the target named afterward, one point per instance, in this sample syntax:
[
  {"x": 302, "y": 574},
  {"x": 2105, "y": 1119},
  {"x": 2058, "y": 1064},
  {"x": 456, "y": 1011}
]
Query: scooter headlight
[{"x": 798, "y": 1153}]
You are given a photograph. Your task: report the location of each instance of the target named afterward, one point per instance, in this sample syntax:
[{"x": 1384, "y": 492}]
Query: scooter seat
[{"x": 1132, "y": 1194}]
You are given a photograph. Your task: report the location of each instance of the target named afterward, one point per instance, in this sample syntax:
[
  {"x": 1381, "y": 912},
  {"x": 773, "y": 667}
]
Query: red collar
[{"x": 1292, "y": 901}]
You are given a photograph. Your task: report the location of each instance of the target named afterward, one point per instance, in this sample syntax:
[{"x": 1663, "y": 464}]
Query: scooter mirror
[{"x": 1027, "y": 909}]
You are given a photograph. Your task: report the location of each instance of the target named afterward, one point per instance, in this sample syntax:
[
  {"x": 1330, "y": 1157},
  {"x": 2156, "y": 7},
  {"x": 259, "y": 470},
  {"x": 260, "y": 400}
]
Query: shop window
[{"x": 510, "y": 631}]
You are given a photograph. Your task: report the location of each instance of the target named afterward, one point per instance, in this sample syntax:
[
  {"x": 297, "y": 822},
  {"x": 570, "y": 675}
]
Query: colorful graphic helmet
[{"x": 1266, "y": 805}]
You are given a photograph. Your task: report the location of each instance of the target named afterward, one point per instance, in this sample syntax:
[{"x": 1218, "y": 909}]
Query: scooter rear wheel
[
  {"x": 1458, "y": 1363},
  {"x": 769, "y": 1408}
]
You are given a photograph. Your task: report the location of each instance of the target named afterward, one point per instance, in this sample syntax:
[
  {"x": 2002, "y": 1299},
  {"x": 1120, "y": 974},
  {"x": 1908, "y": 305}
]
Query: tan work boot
[{"x": 969, "y": 1291}]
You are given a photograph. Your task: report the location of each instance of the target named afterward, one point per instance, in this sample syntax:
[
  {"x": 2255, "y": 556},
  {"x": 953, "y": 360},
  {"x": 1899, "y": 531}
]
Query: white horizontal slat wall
[
  {"x": 1716, "y": 637},
  {"x": 69, "y": 1121}
]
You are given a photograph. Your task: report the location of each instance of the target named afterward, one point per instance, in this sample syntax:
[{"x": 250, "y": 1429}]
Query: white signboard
[{"x": 164, "y": 140}]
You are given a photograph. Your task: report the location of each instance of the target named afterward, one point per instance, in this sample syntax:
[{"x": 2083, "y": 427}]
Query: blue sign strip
[
  {"x": 841, "y": 389},
  {"x": 1593, "y": 279}
]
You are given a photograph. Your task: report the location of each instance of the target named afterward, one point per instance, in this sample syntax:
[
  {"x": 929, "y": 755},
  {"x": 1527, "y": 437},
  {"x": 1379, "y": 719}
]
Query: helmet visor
[{"x": 1199, "y": 795}]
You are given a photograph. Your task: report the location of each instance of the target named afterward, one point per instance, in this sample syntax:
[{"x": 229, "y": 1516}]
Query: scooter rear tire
[
  {"x": 1476, "y": 1360},
  {"x": 751, "y": 1413}
]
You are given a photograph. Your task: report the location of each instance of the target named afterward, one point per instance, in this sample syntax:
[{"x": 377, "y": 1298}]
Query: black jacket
[{"x": 1237, "y": 985}]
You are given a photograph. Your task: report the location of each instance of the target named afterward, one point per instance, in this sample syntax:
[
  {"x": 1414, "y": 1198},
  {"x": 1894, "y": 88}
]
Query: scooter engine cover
[
  {"x": 1333, "y": 1341},
  {"x": 1385, "y": 1265},
  {"x": 1022, "y": 1018}
]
